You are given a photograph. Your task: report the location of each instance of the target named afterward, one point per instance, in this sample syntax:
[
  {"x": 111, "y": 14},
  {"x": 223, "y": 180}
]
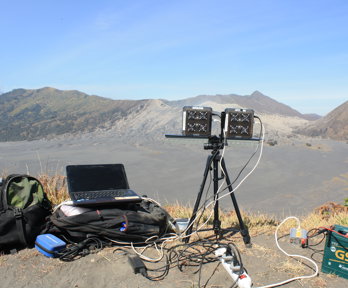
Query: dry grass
[
  {"x": 257, "y": 223},
  {"x": 337, "y": 214},
  {"x": 55, "y": 187},
  {"x": 3, "y": 259},
  {"x": 178, "y": 211},
  {"x": 3, "y": 174},
  {"x": 291, "y": 266},
  {"x": 320, "y": 282}
]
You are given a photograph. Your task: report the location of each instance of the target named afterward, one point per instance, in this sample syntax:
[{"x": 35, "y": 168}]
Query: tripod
[{"x": 216, "y": 144}]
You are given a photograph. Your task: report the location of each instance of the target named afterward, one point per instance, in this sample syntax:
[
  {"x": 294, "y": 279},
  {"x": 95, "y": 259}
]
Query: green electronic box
[{"x": 335, "y": 258}]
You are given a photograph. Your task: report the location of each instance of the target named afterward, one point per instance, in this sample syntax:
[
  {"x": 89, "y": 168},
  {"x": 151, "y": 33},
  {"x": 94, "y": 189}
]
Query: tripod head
[{"x": 214, "y": 142}]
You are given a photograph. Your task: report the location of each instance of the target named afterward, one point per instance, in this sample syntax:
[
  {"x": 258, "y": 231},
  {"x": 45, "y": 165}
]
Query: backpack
[
  {"x": 135, "y": 222},
  {"x": 23, "y": 210}
]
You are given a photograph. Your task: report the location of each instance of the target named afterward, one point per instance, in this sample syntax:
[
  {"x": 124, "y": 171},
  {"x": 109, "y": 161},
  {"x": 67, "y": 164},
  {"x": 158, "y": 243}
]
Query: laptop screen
[{"x": 96, "y": 177}]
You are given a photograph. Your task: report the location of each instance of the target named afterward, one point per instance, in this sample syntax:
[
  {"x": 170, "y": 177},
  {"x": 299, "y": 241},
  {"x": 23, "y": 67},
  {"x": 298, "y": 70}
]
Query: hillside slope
[
  {"x": 47, "y": 112},
  {"x": 334, "y": 125}
]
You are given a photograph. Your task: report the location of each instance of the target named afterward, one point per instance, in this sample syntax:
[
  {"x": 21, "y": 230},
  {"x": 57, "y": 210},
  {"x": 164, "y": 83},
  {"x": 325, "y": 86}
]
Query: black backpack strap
[
  {"x": 4, "y": 185},
  {"x": 2, "y": 182},
  {"x": 18, "y": 214}
]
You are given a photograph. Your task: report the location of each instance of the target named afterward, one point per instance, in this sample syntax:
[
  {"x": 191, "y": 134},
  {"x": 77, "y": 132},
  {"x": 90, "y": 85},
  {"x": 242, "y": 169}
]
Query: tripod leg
[
  {"x": 243, "y": 229},
  {"x": 198, "y": 200},
  {"x": 216, "y": 222}
]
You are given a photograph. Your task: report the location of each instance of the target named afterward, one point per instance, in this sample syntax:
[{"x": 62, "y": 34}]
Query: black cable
[
  {"x": 87, "y": 246},
  {"x": 252, "y": 155},
  {"x": 212, "y": 274},
  {"x": 243, "y": 168},
  {"x": 203, "y": 207},
  {"x": 195, "y": 255},
  {"x": 312, "y": 233},
  {"x": 164, "y": 269},
  {"x": 317, "y": 233},
  {"x": 207, "y": 199},
  {"x": 177, "y": 256}
]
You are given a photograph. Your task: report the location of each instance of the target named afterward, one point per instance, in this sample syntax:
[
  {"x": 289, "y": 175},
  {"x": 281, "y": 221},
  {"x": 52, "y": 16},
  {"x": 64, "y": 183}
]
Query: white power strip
[{"x": 233, "y": 268}]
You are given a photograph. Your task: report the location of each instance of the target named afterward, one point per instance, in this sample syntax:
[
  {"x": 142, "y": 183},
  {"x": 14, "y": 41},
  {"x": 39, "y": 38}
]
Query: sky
[{"x": 294, "y": 51}]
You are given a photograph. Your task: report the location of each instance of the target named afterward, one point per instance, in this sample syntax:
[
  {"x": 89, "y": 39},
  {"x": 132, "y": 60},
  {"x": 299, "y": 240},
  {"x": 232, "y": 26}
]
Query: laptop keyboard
[{"x": 100, "y": 194}]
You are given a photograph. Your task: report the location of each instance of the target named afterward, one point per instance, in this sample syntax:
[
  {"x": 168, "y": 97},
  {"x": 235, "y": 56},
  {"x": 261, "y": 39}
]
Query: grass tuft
[{"x": 55, "y": 187}]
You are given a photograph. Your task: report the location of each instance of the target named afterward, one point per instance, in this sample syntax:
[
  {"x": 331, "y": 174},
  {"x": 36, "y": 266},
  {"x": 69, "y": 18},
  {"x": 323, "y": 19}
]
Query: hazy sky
[{"x": 294, "y": 51}]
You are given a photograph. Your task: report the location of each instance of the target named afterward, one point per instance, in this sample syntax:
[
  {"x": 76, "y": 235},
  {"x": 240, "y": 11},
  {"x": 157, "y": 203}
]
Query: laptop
[{"x": 99, "y": 184}]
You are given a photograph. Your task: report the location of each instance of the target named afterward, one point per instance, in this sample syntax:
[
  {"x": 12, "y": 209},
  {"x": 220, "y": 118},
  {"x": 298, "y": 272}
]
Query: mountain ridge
[
  {"x": 333, "y": 125},
  {"x": 30, "y": 114},
  {"x": 256, "y": 101},
  {"x": 38, "y": 113}
]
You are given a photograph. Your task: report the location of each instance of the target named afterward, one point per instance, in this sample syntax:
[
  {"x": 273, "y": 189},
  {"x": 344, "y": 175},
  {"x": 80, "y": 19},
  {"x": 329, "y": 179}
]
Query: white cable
[
  {"x": 67, "y": 202},
  {"x": 234, "y": 189},
  {"x": 159, "y": 250},
  {"x": 257, "y": 162},
  {"x": 151, "y": 200},
  {"x": 182, "y": 235},
  {"x": 291, "y": 255},
  {"x": 142, "y": 256},
  {"x": 246, "y": 176},
  {"x": 143, "y": 248}
]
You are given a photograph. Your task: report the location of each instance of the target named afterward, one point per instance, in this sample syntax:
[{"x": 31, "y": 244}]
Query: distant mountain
[
  {"x": 311, "y": 116},
  {"x": 334, "y": 125},
  {"x": 256, "y": 101},
  {"x": 47, "y": 112}
]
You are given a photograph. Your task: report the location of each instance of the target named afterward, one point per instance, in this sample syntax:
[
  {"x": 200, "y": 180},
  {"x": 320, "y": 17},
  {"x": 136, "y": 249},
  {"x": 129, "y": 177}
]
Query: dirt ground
[{"x": 110, "y": 267}]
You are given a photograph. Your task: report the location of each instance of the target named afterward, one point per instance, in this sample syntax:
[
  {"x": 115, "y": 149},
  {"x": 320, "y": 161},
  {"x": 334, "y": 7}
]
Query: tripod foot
[
  {"x": 246, "y": 238},
  {"x": 248, "y": 245},
  {"x": 217, "y": 228}
]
